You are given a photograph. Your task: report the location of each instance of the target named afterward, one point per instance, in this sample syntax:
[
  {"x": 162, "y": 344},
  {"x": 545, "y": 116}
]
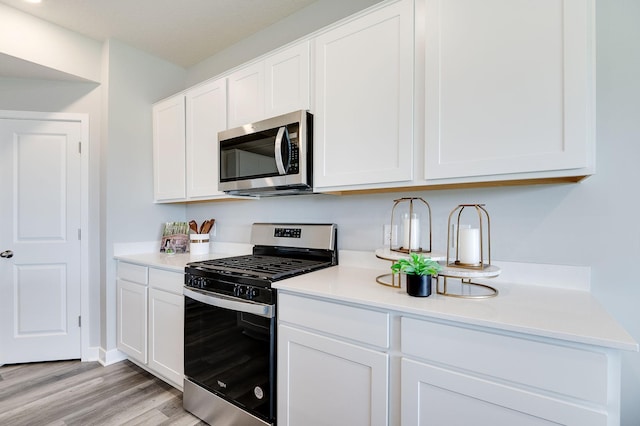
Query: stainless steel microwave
[{"x": 269, "y": 157}]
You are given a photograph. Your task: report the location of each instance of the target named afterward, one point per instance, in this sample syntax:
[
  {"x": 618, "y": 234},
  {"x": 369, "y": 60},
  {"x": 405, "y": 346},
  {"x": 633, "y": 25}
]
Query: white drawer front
[
  {"x": 361, "y": 325},
  {"x": 429, "y": 393},
  {"x": 166, "y": 280},
  {"x": 134, "y": 273},
  {"x": 569, "y": 371}
]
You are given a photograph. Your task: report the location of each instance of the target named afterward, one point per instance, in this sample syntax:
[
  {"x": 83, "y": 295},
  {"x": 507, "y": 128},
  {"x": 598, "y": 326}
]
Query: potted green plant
[{"x": 419, "y": 270}]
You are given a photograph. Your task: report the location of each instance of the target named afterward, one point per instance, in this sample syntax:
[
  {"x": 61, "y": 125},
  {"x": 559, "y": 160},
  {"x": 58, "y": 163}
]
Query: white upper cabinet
[
  {"x": 287, "y": 82},
  {"x": 408, "y": 93},
  {"x": 169, "y": 149},
  {"x": 206, "y": 116},
  {"x": 364, "y": 100},
  {"x": 275, "y": 85},
  {"x": 185, "y": 143},
  {"x": 246, "y": 95},
  {"x": 509, "y": 89}
]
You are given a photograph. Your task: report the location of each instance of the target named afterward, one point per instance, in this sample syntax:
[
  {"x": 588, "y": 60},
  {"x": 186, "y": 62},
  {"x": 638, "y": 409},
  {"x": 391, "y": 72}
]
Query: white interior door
[{"x": 40, "y": 219}]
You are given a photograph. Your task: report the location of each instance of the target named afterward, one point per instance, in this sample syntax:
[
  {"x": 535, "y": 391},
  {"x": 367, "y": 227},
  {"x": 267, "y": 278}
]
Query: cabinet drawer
[
  {"x": 429, "y": 393},
  {"x": 166, "y": 280},
  {"x": 134, "y": 273},
  {"x": 579, "y": 373},
  {"x": 361, "y": 325}
]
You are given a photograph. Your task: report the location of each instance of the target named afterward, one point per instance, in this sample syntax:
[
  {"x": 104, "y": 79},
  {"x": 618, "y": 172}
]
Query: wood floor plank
[{"x": 72, "y": 393}]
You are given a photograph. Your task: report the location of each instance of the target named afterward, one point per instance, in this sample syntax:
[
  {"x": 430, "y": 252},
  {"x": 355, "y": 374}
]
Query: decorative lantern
[
  {"x": 470, "y": 237},
  {"x": 469, "y": 252},
  {"x": 409, "y": 232},
  {"x": 410, "y": 216}
]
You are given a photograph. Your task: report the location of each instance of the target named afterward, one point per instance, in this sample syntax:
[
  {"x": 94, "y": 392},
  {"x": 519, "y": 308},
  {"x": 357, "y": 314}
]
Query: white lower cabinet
[
  {"x": 437, "y": 396},
  {"x": 330, "y": 382},
  {"x": 150, "y": 320},
  {"x": 351, "y": 364},
  {"x": 458, "y": 376},
  {"x": 326, "y": 378},
  {"x": 166, "y": 334},
  {"x": 132, "y": 319}
]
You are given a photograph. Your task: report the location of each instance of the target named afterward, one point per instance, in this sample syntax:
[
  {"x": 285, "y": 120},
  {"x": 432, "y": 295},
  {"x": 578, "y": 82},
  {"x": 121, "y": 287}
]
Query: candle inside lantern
[
  {"x": 411, "y": 238},
  {"x": 469, "y": 245}
]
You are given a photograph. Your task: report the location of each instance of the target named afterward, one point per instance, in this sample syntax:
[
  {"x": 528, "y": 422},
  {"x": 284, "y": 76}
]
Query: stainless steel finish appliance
[
  {"x": 267, "y": 158},
  {"x": 230, "y": 321}
]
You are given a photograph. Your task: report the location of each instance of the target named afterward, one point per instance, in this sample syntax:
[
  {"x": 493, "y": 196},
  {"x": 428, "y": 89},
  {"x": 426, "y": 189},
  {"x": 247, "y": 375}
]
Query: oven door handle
[{"x": 220, "y": 301}]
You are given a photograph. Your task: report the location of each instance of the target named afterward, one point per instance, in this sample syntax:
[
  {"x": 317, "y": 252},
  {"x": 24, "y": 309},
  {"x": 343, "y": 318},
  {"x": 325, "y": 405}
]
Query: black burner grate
[{"x": 271, "y": 267}]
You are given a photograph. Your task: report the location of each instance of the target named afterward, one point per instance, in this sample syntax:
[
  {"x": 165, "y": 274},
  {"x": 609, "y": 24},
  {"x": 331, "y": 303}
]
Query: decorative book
[{"x": 175, "y": 238}]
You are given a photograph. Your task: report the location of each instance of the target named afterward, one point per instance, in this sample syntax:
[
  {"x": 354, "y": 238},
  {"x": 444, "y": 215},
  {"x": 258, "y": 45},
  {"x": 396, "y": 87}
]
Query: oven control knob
[
  {"x": 253, "y": 292},
  {"x": 242, "y": 290}
]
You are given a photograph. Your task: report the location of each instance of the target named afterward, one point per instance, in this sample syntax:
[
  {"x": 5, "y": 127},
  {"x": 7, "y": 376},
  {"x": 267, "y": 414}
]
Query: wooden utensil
[
  {"x": 193, "y": 225},
  {"x": 206, "y": 226}
]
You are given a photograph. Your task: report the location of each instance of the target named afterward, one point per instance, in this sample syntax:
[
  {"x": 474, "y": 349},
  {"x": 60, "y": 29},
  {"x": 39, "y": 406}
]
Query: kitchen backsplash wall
[{"x": 521, "y": 230}]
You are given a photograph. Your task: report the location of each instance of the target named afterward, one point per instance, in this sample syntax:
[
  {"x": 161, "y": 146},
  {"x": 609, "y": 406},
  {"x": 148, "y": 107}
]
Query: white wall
[
  {"x": 31, "y": 39},
  {"x": 317, "y": 15},
  {"x": 592, "y": 223},
  {"x": 134, "y": 80}
]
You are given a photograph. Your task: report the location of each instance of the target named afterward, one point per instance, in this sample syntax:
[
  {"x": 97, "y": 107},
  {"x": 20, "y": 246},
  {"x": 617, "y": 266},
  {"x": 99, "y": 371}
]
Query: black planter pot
[{"x": 419, "y": 285}]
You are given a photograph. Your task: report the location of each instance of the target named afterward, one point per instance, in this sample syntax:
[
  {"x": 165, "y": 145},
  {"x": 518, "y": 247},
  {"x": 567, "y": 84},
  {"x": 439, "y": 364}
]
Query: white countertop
[
  {"x": 562, "y": 313},
  {"x": 177, "y": 262},
  {"x": 171, "y": 262},
  {"x": 572, "y": 315}
]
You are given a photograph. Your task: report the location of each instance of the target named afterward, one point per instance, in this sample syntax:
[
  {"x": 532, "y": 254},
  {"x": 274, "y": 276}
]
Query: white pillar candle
[
  {"x": 469, "y": 245},
  {"x": 411, "y": 236}
]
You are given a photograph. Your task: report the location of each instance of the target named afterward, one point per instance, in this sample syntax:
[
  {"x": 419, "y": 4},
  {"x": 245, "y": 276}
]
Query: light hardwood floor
[{"x": 86, "y": 393}]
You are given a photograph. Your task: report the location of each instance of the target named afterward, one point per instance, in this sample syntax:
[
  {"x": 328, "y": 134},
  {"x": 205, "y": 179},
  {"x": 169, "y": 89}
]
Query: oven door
[{"x": 229, "y": 350}]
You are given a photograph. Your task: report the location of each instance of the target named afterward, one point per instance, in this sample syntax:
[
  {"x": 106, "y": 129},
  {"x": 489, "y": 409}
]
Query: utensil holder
[{"x": 199, "y": 243}]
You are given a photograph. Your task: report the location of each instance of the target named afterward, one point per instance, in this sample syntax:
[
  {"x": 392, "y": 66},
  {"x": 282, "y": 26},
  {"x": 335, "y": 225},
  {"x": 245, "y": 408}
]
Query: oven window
[{"x": 231, "y": 354}]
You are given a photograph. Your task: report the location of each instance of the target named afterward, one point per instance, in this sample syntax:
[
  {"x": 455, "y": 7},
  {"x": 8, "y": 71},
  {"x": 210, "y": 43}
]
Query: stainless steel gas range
[{"x": 230, "y": 321}]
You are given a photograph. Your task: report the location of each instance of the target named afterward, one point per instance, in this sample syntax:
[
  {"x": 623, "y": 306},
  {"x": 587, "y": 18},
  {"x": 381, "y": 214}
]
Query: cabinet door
[
  {"x": 166, "y": 335},
  {"x": 364, "y": 100},
  {"x": 432, "y": 395},
  {"x": 322, "y": 381},
  {"x": 206, "y": 116},
  {"x": 246, "y": 95},
  {"x": 131, "y": 306},
  {"x": 509, "y": 87},
  {"x": 287, "y": 80},
  {"x": 169, "y": 149}
]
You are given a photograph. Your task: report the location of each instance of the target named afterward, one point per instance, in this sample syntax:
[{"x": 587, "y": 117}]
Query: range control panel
[
  {"x": 287, "y": 233},
  {"x": 320, "y": 236}
]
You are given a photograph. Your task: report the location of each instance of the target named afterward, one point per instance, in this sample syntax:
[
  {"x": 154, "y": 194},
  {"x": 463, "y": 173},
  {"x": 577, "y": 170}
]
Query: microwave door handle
[{"x": 282, "y": 132}]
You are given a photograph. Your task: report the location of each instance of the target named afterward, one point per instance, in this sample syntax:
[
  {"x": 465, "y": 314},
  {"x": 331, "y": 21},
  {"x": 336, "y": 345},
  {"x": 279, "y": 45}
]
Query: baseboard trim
[
  {"x": 110, "y": 357},
  {"x": 91, "y": 353}
]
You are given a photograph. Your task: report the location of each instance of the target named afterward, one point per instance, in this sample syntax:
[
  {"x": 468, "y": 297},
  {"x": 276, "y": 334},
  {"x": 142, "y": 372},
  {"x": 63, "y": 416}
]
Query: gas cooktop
[
  {"x": 271, "y": 268},
  {"x": 281, "y": 250}
]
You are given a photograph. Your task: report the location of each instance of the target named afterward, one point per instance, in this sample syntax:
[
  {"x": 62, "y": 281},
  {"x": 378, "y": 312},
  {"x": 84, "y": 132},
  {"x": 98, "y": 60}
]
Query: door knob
[{"x": 7, "y": 254}]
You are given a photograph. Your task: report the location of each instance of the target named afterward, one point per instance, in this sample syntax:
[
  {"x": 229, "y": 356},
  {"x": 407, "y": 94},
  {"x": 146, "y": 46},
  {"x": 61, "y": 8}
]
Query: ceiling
[{"x": 183, "y": 32}]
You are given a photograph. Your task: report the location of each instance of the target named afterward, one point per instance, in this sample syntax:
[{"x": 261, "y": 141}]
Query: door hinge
[
  {"x": 79, "y": 147},
  {"x": 79, "y": 321},
  {"x": 79, "y": 234}
]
